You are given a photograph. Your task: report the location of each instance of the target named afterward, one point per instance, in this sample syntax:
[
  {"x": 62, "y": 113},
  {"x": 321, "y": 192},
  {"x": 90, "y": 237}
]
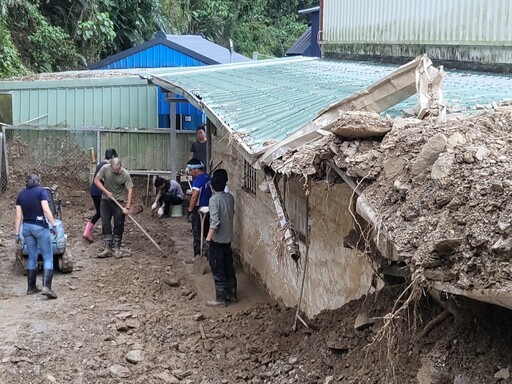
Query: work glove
[
  {"x": 153, "y": 207},
  {"x": 206, "y": 249},
  {"x": 53, "y": 232},
  {"x": 189, "y": 216}
]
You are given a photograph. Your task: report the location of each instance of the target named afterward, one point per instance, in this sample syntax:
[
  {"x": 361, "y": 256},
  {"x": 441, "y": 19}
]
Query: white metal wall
[{"x": 446, "y": 22}]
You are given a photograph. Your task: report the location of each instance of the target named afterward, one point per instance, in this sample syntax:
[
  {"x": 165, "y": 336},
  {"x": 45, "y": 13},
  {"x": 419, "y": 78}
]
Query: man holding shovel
[
  {"x": 117, "y": 188},
  {"x": 201, "y": 193}
]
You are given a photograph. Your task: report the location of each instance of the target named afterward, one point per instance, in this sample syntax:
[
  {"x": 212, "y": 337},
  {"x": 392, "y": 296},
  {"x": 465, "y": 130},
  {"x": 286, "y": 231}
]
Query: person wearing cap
[
  {"x": 96, "y": 196},
  {"x": 117, "y": 186},
  {"x": 33, "y": 211},
  {"x": 218, "y": 241},
  {"x": 201, "y": 193}
]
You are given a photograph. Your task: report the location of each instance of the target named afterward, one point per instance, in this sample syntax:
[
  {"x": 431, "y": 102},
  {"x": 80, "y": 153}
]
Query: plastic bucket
[{"x": 177, "y": 210}]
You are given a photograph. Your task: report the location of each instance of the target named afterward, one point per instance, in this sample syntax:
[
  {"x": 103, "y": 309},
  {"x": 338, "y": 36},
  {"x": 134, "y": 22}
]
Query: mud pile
[{"x": 442, "y": 190}]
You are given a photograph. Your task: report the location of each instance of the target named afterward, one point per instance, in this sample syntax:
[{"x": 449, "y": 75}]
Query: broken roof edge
[{"x": 406, "y": 76}]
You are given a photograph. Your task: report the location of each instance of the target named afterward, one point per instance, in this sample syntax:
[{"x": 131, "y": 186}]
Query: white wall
[{"x": 335, "y": 274}]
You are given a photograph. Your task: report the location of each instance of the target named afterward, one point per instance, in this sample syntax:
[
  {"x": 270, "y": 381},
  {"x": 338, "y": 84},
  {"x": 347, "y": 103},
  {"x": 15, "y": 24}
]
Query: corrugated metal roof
[
  {"x": 267, "y": 101},
  {"x": 302, "y": 46}
]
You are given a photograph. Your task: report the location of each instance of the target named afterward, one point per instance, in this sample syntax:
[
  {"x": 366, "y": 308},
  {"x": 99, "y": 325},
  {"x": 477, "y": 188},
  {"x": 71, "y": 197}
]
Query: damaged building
[{"x": 314, "y": 220}]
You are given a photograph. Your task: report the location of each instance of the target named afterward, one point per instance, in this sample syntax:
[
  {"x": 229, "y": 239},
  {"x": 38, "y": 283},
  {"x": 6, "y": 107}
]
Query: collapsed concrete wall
[{"x": 335, "y": 274}]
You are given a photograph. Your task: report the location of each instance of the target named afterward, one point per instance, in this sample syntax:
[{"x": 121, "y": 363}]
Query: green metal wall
[{"x": 95, "y": 102}]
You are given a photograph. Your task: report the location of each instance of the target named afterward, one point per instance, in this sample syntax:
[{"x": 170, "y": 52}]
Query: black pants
[
  {"x": 221, "y": 262},
  {"x": 196, "y": 229},
  {"x": 167, "y": 200},
  {"x": 108, "y": 210},
  {"x": 97, "y": 215}
]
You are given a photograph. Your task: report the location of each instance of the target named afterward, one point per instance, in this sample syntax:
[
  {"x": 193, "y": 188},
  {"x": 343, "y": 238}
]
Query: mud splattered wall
[{"x": 335, "y": 274}]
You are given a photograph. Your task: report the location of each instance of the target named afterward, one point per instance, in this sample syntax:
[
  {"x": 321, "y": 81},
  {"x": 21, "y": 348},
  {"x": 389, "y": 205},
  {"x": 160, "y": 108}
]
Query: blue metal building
[
  {"x": 307, "y": 43},
  {"x": 172, "y": 51}
]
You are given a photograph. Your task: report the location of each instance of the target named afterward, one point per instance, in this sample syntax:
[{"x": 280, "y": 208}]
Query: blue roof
[
  {"x": 193, "y": 46},
  {"x": 302, "y": 46}
]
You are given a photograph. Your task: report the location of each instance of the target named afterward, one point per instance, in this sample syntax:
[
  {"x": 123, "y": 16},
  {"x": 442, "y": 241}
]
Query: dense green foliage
[{"x": 54, "y": 35}]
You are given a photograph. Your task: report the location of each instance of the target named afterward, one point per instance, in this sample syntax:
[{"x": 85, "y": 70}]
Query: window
[
  {"x": 249, "y": 178},
  {"x": 296, "y": 205}
]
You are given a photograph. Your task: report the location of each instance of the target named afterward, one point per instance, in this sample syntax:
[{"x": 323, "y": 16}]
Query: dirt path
[
  {"x": 152, "y": 308},
  {"x": 107, "y": 308}
]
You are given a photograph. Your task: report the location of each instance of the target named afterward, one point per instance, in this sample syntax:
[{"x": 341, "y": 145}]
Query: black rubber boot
[
  {"x": 31, "y": 280},
  {"x": 220, "y": 297},
  {"x": 231, "y": 291},
  {"x": 117, "y": 247},
  {"x": 47, "y": 284}
]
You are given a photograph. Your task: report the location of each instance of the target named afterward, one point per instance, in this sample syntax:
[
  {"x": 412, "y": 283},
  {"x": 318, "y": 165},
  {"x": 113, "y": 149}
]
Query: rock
[
  {"x": 429, "y": 154},
  {"x": 363, "y": 321},
  {"x": 119, "y": 370},
  {"x": 359, "y": 125},
  {"x": 171, "y": 282},
  {"x": 503, "y": 246},
  {"x": 199, "y": 317},
  {"x": 498, "y": 188},
  {"x": 456, "y": 139},
  {"x": 208, "y": 345},
  {"x": 447, "y": 246},
  {"x": 502, "y": 374},
  {"x": 329, "y": 379},
  {"x": 122, "y": 328},
  {"x": 462, "y": 379},
  {"x": 124, "y": 315},
  {"x": 442, "y": 167},
  {"x": 394, "y": 167},
  {"x": 482, "y": 153},
  {"x": 293, "y": 360},
  {"x": 51, "y": 379},
  {"x": 181, "y": 374},
  {"x": 135, "y": 356},
  {"x": 438, "y": 275},
  {"x": 166, "y": 378},
  {"x": 132, "y": 323}
]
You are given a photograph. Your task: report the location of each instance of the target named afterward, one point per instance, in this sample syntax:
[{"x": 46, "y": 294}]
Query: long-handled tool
[
  {"x": 138, "y": 225},
  {"x": 203, "y": 211}
]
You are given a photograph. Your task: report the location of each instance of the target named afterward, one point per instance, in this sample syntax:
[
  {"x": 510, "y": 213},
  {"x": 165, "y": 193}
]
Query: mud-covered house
[{"x": 294, "y": 225}]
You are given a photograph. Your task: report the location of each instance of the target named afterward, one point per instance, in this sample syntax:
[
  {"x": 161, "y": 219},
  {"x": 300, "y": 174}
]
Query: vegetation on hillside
[{"x": 56, "y": 35}]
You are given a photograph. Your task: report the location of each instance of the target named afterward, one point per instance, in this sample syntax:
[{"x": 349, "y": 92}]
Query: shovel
[{"x": 138, "y": 225}]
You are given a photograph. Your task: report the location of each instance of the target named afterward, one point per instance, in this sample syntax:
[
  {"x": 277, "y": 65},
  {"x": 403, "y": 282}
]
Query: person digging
[{"x": 117, "y": 185}]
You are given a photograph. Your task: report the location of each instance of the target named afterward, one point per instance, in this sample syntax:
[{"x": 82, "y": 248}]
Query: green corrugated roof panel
[{"x": 267, "y": 101}]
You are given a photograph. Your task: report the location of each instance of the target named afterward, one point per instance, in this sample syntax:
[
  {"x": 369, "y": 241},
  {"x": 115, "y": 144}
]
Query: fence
[{"x": 67, "y": 152}]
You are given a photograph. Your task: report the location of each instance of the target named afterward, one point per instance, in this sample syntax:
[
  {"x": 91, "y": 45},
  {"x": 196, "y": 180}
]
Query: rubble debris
[
  {"x": 363, "y": 321},
  {"x": 502, "y": 374},
  {"x": 436, "y": 186}
]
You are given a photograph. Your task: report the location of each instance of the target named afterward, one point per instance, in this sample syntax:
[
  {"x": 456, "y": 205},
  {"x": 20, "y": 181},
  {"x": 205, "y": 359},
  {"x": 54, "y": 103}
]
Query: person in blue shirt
[
  {"x": 33, "y": 211},
  {"x": 96, "y": 196},
  {"x": 201, "y": 193}
]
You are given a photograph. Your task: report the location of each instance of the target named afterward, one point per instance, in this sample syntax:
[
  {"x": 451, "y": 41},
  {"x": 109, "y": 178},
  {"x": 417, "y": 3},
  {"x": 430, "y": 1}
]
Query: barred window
[{"x": 249, "y": 178}]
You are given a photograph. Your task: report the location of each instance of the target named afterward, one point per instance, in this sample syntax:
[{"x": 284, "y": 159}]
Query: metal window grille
[{"x": 249, "y": 178}]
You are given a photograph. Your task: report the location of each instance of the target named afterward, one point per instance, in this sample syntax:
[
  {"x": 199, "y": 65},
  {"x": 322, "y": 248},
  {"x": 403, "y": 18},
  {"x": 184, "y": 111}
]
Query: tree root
[{"x": 434, "y": 323}]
